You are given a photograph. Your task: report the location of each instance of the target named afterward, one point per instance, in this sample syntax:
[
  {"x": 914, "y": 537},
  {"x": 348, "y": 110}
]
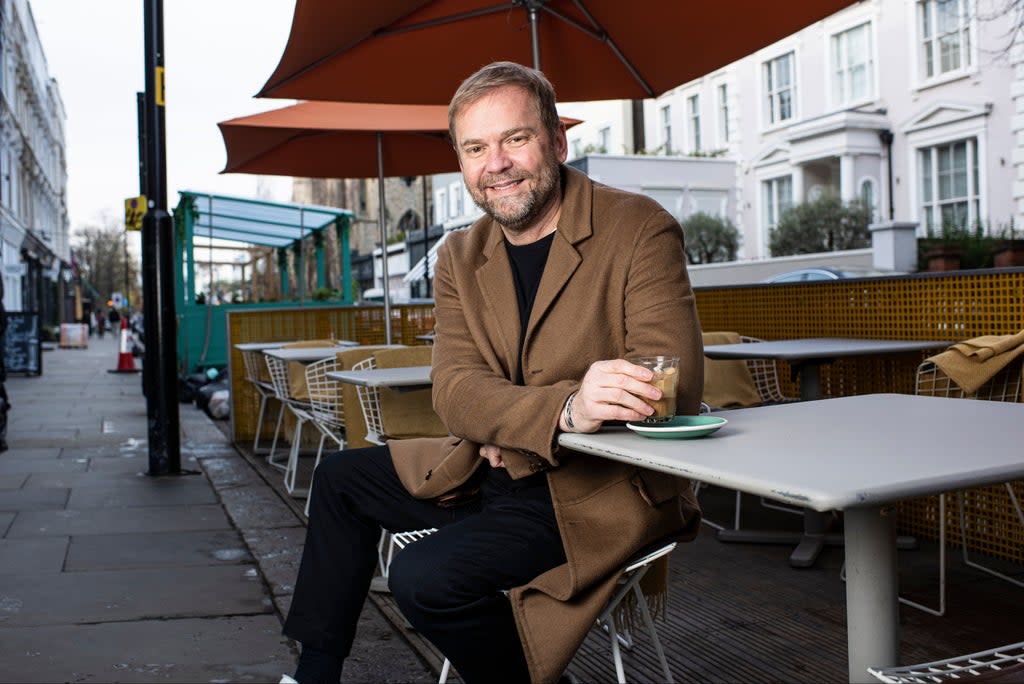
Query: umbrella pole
[
  {"x": 534, "y": 11},
  {"x": 383, "y": 237}
]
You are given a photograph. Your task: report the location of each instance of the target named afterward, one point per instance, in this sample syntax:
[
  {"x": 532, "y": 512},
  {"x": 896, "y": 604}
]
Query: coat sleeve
[{"x": 654, "y": 310}]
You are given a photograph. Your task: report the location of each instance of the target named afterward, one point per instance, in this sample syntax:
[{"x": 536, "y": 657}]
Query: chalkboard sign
[{"x": 22, "y": 346}]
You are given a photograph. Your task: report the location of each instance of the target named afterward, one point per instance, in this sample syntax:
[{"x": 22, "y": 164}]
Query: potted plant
[{"x": 1009, "y": 248}]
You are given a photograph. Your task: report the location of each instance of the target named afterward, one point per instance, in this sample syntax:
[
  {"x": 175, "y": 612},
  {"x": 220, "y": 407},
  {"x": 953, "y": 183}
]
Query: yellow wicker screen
[
  {"x": 928, "y": 306},
  {"x": 364, "y": 325}
]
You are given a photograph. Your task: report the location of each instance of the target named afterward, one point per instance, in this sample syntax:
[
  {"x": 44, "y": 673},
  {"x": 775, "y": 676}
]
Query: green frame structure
[{"x": 280, "y": 225}]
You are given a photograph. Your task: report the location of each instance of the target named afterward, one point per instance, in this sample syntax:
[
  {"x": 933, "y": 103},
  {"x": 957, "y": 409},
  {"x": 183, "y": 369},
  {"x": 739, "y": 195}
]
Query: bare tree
[{"x": 100, "y": 251}]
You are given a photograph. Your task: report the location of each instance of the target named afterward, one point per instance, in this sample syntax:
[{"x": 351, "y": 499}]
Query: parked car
[{"x": 810, "y": 274}]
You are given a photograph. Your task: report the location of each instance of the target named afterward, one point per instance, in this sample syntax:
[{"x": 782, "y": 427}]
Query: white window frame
[
  {"x": 693, "y": 133},
  {"x": 441, "y": 205},
  {"x": 969, "y": 55},
  {"x": 604, "y": 139},
  {"x": 873, "y": 205},
  {"x": 455, "y": 208},
  {"x": 764, "y": 220},
  {"x": 973, "y": 196},
  {"x": 723, "y": 125},
  {"x": 763, "y": 65},
  {"x": 838, "y": 100},
  {"x": 665, "y": 128},
  {"x": 972, "y": 125}
]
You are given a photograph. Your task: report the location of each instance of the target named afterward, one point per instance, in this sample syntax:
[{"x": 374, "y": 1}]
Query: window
[
  {"x": 441, "y": 206},
  {"x": 777, "y": 195},
  {"x": 666, "y": 128},
  {"x": 455, "y": 199},
  {"x": 5, "y": 179},
  {"x": 693, "y": 119},
  {"x": 577, "y": 148},
  {"x": 779, "y": 88},
  {"x": 949, "y": 185},
  {"x": 945, "y": 36},
  {"x": 604, "y": 140},
  {"x": 723, "y": 114},
  {"x": 852, "y": 65},
  {"x": 867, "y": 195}
]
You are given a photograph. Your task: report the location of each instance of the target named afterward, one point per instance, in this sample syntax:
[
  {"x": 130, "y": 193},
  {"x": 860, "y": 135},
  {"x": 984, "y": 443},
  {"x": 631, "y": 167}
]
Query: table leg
[{"x": 872, "y": 604}]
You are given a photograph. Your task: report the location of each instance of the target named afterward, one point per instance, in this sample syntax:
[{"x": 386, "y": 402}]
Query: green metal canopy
[
  {"x": 282, "y": 226},
  {"x": 256, "y": 222}
]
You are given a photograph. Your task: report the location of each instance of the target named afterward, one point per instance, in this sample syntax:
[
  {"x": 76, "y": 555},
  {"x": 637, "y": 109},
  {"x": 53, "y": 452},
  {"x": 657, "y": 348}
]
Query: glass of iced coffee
[{"x": 666, "y": 378}]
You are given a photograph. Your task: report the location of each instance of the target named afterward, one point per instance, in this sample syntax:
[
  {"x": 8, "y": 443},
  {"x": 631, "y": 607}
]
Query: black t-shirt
[{"x": 528, "y": 263}]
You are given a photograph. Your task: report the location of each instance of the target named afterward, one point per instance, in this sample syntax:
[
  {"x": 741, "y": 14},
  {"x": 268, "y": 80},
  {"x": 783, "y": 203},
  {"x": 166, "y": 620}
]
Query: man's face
[{"x": 509, "y": 162}]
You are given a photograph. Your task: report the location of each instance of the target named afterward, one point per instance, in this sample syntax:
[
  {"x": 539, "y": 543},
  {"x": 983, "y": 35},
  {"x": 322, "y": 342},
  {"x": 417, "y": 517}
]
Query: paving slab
[
  {"x": 230, "y": 471},
  {"x": 131, "y": 594},
  {"x": 43, "y": 465},
  {"x": 84, "y": 479},
  {"x": 21, "y": 556},
  {"x": 145, "y": 491},
  {"x": 278, "y": 552},
  {"x": 17, "y": 454},
  {"x": 5, "y": 523},
  {"x": 165, "y": 549},
  {"x": 13, "y": 480},
  {"x": 114, "y": 521},
  {"x": 233, "y": 649},
  {"x": 256, "y": 507},
  {"x": 33, "y": 499}
]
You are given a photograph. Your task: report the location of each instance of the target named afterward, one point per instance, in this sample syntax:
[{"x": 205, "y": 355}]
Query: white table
[
  {"x": 264, "y": 346},
  {"x": 402, "y": 379},
  {"x": 854, "y": 454},
  {"x": 303, "y": 354},
  {"x": 806, "y": 356}
]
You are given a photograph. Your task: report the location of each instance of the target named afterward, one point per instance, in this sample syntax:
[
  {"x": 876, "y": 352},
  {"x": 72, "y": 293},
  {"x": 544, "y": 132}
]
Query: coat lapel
[{"x": 494, "y": 278}]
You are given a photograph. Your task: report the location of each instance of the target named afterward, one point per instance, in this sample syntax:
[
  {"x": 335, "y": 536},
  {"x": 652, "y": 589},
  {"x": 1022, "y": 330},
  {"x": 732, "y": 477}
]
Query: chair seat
[{"x": 1000, "y": 664}]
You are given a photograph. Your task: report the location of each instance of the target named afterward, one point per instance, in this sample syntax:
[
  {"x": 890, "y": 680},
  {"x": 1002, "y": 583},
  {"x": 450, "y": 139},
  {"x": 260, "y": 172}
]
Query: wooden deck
[{"x": 740, "y": 613}]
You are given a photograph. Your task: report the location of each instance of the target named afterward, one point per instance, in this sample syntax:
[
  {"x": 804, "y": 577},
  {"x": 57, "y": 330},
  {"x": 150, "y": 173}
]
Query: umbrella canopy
[
  {"x": 421, "y": 50},
  {"x": 339, "y": 140},
  {"x": 345, "y": 140}
]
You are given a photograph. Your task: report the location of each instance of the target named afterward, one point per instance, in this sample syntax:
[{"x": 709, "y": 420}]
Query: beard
[{"x": 518, "y": 212}]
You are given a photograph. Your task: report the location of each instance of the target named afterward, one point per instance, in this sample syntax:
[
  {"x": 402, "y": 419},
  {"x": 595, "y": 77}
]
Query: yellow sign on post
[{"x": 134, "y": 209}]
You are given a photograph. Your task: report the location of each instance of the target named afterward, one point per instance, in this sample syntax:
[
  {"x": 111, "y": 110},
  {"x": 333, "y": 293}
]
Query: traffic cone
[{"x": 125, "y": 360}]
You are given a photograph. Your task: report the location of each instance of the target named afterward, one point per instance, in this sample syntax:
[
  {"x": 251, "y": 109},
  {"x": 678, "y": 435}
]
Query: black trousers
[{"x": 448, "y": 585}]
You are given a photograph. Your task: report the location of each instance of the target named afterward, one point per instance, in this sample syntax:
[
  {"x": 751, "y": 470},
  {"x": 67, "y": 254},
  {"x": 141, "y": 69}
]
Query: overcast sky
[{"x": 217, "y": 55}]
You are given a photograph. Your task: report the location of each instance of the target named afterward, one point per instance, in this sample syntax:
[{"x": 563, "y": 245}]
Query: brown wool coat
[{"x": 615, "y": 286}]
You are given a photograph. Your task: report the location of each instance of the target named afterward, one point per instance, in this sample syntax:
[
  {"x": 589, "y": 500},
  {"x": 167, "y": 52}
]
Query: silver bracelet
[{"x": 568, "y": 412}]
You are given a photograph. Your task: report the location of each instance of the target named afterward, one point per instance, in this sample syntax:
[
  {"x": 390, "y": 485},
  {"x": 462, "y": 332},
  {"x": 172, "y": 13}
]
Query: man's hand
[
  {"x": 611, "y": 390},
  {"x": 493, "y": 455}
]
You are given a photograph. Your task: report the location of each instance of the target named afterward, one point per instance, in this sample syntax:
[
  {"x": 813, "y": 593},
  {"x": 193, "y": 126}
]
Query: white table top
[
  {"x": 410, "y": 376},
  {"x": 259, "y": 346},
  {"x": 263, "y": 346},
  {"x": 818, "y": 348},
  {"x": 304, "y": 354},
  {"x": 839, "y": 453}
]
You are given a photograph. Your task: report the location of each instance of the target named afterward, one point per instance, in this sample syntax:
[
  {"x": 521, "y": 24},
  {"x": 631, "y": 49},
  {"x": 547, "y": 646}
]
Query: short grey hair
[{"x": 500, "y": 74}]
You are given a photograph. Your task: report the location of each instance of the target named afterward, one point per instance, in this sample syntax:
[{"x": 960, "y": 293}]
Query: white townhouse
[
  {"x": 34, "y": 223},
  {"x": 916, "y": 106}
]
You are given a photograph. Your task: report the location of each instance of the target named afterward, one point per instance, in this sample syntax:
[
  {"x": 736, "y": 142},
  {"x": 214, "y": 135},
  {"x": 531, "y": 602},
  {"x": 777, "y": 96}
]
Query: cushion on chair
[
  {"x": 411, "y": 413},
  {"x": 297, "y": 370},
  {"x": 355, "y": 425},
  {"x": 727, "y": 382}
]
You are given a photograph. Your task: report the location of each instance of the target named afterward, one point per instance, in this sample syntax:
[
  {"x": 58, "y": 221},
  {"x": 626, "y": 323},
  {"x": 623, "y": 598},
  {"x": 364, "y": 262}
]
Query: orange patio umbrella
[
  {"x": 402, "y": 51},
  {"x": 345, "y": 140}
]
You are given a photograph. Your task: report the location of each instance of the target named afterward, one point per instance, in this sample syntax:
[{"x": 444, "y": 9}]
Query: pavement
[{"x": 109, "y": 574}]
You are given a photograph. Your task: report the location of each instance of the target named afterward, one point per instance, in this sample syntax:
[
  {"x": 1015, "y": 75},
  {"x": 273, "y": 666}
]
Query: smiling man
[{"x": 538, "y": 306}]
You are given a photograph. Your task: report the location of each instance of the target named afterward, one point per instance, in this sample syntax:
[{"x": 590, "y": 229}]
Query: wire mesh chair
[
  {"x": 279, "y": 377},
  {"x": 1003, "y": 386},
  {"x": 325, "y": 407},
  {"x": 993, "y": 665},
  {"x": 369, "y": 402},
  {"x": 628, "y": 584},
  {"x": 265, "y": 389}
]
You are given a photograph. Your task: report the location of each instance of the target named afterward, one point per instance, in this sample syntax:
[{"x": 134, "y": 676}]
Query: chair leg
[
  {"x": 942, "y": 565},
  {"x": 292, "y": 468},
  {"x": 384, "y": 542},
  {"x": 277, "y": 433},
  {"x": 613, "y": 634},
  {"x": 259, "y": 423},
  {"x": 963, "y": 536},
  {"x": 444, "y": 671},
  {"x": 649, "y": 621}
]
